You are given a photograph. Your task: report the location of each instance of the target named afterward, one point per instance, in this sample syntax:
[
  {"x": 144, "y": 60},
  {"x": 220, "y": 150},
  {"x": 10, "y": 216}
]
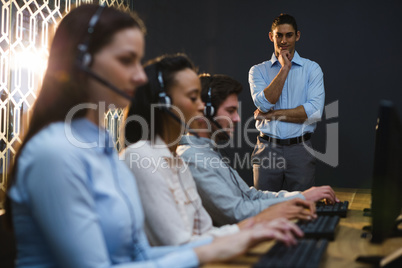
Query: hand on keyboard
[
  {"x": 226, "y": 247},
  {"x": 292, "y": 209},
  {"x": 285, "y": 231},
  {"x": 322, "y": 192}
]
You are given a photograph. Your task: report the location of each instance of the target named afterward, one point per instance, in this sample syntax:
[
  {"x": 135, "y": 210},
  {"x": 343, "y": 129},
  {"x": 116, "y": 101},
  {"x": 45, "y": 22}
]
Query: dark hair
[
  {"x": 148, "y": 94},
  {"x": 221, "y": 87},
  {"x": 64, "y": 85},
  {"x": 284, "y": 19}
]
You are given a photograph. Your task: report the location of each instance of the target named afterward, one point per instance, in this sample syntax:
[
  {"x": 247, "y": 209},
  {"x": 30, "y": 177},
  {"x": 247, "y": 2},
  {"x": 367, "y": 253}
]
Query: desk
[{"x": 348, "y": 243}]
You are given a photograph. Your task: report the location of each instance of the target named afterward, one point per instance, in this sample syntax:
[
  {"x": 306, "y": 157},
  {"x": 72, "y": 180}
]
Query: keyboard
[
  {"x": 321, "y": 227},
  {"x": 307, "y": 253},
  {"x": 339, "y": 209}
]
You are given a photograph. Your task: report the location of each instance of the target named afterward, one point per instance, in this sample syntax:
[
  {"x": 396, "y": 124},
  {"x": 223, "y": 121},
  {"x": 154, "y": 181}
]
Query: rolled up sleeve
[
  {"x": 315, "y": 95},
  {"x": 257, "y": 86}
]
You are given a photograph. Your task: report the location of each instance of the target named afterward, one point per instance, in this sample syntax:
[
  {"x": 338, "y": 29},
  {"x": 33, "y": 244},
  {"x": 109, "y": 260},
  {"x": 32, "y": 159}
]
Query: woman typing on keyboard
[{"x": 72, "y": 203}]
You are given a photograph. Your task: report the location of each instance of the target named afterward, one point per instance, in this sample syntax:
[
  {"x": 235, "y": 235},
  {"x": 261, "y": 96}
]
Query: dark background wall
[{"x": 357, "y": 44}]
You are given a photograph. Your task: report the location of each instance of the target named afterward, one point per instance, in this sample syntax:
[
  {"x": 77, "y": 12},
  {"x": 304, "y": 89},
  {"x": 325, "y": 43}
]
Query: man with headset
[{"x": 225, "y": 195}]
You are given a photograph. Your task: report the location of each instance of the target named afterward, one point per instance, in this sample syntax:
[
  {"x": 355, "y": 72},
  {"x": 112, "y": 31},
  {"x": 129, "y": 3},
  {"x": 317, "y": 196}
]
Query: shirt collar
[
  {"x": 296, "y": 59},
  {"x": 199, "y": 142}
]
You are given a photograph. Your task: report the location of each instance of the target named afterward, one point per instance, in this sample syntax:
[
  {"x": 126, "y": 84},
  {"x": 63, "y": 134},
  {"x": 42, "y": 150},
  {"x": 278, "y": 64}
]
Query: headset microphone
[
  {"x": 175, "y": 117},
  {"x": 105, "y": 83},
  {"x": 84, "y": 57},
  {"x": 219, "y": 126}
]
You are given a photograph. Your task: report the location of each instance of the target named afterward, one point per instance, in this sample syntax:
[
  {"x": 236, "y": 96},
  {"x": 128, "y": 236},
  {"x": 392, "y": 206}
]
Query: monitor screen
[{"x": 386, "y": 189}]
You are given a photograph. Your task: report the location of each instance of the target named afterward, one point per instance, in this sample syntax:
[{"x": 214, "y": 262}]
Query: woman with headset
[
  {"x": 72, "y": 203},
  {"x": 158, "y": 116}
]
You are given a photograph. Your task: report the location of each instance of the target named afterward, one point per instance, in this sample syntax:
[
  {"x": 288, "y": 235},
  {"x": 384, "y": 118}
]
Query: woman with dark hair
[
  {"x": 158, "y": 116},
  {"x": 72, "y": 202}
]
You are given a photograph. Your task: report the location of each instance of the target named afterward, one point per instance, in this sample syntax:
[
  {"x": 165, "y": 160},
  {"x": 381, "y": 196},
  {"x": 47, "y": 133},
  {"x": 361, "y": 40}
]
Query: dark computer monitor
[{"x": 386, "y": 189}]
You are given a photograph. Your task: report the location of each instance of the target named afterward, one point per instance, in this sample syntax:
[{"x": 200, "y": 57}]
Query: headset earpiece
[
  {"x": 84, "y": 57},
  {"x": 209, "y": 110},
  {"x": 164, "y": 99}
]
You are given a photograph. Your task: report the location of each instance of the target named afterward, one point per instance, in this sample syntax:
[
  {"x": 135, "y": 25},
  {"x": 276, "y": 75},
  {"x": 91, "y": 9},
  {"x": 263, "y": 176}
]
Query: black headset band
[{"x": 84, "y": 55}]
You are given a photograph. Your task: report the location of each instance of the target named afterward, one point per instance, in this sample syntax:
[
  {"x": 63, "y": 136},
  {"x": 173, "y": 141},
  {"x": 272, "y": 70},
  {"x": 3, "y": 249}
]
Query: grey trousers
[{"x": 283, "y": 167}]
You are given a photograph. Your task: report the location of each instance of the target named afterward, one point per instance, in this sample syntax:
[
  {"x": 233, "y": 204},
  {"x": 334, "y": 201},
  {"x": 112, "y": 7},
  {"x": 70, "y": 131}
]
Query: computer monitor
[{"x": 386, "y": 189}]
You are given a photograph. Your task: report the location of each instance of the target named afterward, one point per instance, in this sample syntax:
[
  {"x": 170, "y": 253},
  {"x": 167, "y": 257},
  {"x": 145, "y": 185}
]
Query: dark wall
[{"x": 357, "y": 44}]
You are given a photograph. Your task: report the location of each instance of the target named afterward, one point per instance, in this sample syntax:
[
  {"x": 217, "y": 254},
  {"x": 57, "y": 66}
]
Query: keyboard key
[{"x": 321, "y": 227}]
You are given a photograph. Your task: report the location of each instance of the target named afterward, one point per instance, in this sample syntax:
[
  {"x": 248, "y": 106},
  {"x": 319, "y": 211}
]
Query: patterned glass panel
[{"x": 25, "y": 30}]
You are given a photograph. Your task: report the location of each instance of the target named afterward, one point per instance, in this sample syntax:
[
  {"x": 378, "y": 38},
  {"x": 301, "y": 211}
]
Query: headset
[
  {"x": 164, "y": 99},
  {"x": 165, "y": 103},
  {"x": 84, "y": 58},
  {"x": 209, "y": 109}
]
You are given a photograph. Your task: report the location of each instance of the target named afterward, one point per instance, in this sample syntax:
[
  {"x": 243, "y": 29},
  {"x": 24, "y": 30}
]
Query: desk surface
[{"x": 348, "y": 243}]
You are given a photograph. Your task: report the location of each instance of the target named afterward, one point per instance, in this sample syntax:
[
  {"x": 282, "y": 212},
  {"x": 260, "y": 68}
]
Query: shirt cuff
[
  {"x": 312, "y": 113},
  {"x": 295, "y": 194},
  {"x": 183, "y": 258},
  {"x": 264, "y": 105}
]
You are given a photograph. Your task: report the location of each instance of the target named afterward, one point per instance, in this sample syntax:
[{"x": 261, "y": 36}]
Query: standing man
[{"x": 288, "y": 91}]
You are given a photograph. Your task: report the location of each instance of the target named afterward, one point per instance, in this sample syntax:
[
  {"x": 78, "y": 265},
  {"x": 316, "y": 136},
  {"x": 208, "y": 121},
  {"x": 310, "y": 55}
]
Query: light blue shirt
[
  {"x": 79, "y": 207},
  {"x": 225, "y": 195},
  {"x": 304, "y": 85}
]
